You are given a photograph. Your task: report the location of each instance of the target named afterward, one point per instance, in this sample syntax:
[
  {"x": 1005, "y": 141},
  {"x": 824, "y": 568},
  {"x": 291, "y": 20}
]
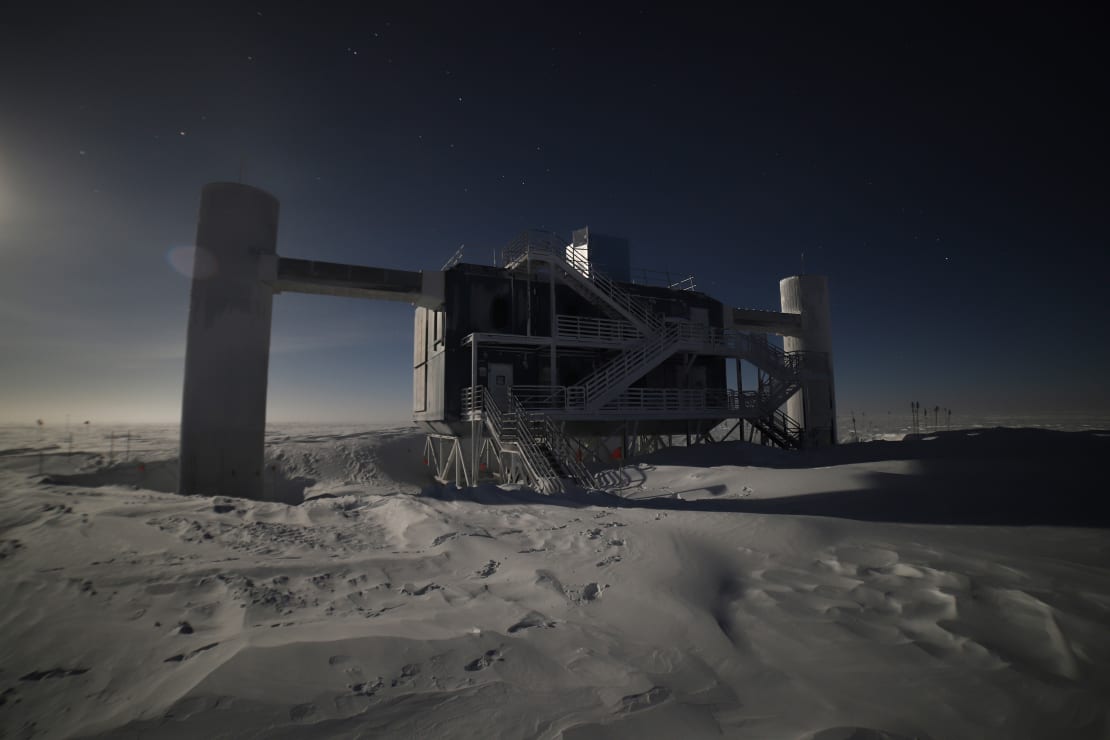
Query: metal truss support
[
  {"x": 490, "y": 464},
  {"x": 444, "y": 455}
]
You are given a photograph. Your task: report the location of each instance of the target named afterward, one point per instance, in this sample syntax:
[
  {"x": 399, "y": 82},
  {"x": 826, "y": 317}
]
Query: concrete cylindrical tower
[
  {"x": 227, "y": 355},
  {"x": 815, "y": 406}
]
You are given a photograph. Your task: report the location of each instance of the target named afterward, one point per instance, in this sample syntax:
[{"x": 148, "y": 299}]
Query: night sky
[{"x": 947, "y": 172}]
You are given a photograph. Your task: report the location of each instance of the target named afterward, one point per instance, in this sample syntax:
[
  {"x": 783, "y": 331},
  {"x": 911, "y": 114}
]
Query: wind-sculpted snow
[{"x": 385, "y": 606}]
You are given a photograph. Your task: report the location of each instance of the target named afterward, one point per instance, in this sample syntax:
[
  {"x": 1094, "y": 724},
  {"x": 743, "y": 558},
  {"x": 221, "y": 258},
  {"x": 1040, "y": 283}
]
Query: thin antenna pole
[{"x": 803, "y": 262}]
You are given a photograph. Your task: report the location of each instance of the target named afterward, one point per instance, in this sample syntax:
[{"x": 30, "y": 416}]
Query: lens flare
[{"x": 193, "y": 262}]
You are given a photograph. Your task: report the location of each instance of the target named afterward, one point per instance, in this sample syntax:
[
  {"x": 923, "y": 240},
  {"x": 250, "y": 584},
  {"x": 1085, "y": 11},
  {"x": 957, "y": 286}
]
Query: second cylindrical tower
[{"x": 815, "y": 406}]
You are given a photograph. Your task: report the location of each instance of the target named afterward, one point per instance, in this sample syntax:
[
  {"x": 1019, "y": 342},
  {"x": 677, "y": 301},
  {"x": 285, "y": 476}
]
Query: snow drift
[{"x": 881, "y": 590}]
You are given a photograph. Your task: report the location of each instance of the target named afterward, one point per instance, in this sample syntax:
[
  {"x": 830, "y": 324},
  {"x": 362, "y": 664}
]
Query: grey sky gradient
[{"x": 947, "y": 177}]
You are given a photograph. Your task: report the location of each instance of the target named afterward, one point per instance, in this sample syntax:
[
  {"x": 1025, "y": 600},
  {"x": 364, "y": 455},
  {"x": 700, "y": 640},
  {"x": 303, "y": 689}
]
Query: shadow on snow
[{"x": 1010, "y": 477}]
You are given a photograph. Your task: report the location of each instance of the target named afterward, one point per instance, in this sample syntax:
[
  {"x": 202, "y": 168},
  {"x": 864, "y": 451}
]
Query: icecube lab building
[{"x": 541, "y": 370}]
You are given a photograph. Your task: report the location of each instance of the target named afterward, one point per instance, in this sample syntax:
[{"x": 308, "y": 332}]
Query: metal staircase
[
  {"x": 561, "y": 452},
  {"x": 599, "y": 289},
  {"x": 609, "y": 380},
  {"x": 545, "y": 455},
  {"x": 518, "y": 427},
  {"x": 774, "y": 424},
  {"x": 767, "y": 357},
  {"x": 612, "y": 379},
  {"x": 660, "y": 340},
  {"x": 780, "y": 429}
]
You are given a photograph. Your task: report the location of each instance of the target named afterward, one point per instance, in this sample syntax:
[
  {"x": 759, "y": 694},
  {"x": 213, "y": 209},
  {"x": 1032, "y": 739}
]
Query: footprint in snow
[
  {"x": 491, "y": 657},
  {"x": 53, "y": 673},
  {"x": 592, "y": 592},
  {"x": 408, "y": 674},
  {"x": 185, "y": 656},
  {"x": 652, "y": 697},
  {"x": 534, "y": 619},
  {"x": 365, "y": 688}
]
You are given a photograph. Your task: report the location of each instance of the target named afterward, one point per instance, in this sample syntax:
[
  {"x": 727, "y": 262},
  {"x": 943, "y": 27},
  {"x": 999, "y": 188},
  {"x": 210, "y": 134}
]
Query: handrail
[
  {"x": 540, "y": 398},
  {"x": 760, "y": 351},
  {"x": 517, "y": 427},
  {"x": 535, "y": 462},
  {"x": 628, "y": 366},
  {"x": 663, "y": 278},
  {"x": 781, "y": 428},
  {"x": 589, "y": 327},
  {"x": 550, "y": 396},
  {"x": 578, "y": 266},
  {"x": 675, "y": 399},
  {"x": 455, "y": 258},
  {"x": 561, "y": 448},
  {"x": 618, "y": 295},
  {"x": 513, "y": 427},
  {"x": 493, "y": 414}
]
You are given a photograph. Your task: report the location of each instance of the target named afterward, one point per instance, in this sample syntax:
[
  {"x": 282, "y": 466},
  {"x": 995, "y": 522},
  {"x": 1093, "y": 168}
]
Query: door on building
[{"x": 498, "y": 380}]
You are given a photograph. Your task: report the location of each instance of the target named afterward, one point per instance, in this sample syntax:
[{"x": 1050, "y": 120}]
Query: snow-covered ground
[{"x": 956, "y": 585}]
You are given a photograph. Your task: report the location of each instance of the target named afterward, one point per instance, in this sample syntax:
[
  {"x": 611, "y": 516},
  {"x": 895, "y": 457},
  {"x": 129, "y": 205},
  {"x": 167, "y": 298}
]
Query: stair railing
[
  {"x": 578, "y": 266},
  {"x": 535, "y": 462},
  {"x": 564, "y": 452},
  {"x": 628, "y": 366}
]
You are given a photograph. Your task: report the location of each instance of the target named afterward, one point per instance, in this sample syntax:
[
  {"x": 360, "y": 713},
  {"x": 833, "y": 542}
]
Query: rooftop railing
[{"x": 663, "y": 279}]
